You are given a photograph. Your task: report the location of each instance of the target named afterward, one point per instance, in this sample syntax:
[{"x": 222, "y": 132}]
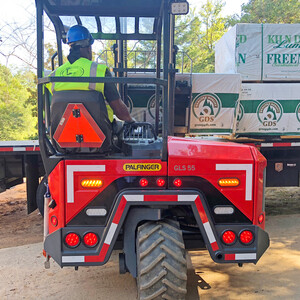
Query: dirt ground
[
  {"x": 23, "y": 229},
  {"x": 22, "y": 275}
]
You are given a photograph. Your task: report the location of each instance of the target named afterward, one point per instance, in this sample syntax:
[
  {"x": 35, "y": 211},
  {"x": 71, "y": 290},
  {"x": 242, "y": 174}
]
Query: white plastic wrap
[
  {"x": 240, "y": 51},
  {"x": 213, "y": 103},
  {"x": 269, "y": 109},
  {"x": 260, "y": 52}
]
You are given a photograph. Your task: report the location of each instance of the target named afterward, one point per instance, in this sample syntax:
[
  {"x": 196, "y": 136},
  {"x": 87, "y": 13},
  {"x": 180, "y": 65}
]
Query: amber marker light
[
  {"x": 91, "y": 183},
  {"x": 228, "y": 182}
]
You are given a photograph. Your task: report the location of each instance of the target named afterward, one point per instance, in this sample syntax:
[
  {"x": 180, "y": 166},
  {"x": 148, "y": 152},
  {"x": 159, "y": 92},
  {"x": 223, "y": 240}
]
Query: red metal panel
[
  {"x": 260, "y": 165},
  {"x": 191, "y": 157},
  {"x": 56, "y": 181},
  {"x": 114, "y": 169}
]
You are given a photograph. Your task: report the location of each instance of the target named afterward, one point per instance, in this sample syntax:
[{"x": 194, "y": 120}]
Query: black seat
[{"x": 94, "y": 105}]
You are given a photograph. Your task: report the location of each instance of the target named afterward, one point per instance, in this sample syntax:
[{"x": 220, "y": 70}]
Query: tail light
[
  {"x": 160, "y": 182},
  {"x": 143, "y": 182},
  {"x": 228, "y": 237},
  {"x": 246, "y": 237},
  {"x": 91, "y": 183},
  {"x": 90, "y": 239},
  {"x": 227, "y": 182},
  {"x": 261, "y": 218},
  {"x": 177, "y": 182},
  {"x": 72, "y": 240}
]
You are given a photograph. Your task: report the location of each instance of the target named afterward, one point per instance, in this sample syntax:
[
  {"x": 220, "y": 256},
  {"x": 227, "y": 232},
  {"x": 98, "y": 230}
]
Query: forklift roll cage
[{"x": 163, "y": 25}]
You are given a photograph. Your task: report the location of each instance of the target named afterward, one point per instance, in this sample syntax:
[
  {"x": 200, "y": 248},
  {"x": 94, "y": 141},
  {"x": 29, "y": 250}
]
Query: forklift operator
[{"x": 80, "y": 64}]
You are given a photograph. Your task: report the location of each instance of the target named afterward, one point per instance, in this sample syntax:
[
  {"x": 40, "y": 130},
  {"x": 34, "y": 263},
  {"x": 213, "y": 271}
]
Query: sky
[{"x": 20, "y": 11}]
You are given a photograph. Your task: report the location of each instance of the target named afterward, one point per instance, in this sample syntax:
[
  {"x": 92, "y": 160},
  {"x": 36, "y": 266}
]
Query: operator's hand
[{"x": 131, "y": 121}]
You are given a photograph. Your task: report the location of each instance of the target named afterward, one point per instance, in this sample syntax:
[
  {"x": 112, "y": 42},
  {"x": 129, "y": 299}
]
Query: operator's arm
[
  {"x": 120, "y": 110},
  {"x": 115, "y": 102}
]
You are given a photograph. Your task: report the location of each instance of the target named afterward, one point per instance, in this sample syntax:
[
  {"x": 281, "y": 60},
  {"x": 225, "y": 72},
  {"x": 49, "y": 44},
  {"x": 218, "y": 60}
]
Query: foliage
[
  {"x": 198, "y": 33},
  {"x": 16, "y": 106},
  {"x": 271, "y": 11}
]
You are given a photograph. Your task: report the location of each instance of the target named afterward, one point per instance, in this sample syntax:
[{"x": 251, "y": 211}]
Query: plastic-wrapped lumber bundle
[
  {"x": 260, "y": 52},
  {"x": 269, "y": 109},
  {"x": 214, "y": 97}
]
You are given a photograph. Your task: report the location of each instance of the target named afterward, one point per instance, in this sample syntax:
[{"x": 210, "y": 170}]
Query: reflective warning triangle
[{"x": 77, "y": 128}]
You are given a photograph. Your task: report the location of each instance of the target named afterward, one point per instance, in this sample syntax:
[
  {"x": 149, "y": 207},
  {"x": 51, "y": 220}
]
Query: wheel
[
  {"x": 161, "y": 262},
  {"x": 41, "y": 190}
]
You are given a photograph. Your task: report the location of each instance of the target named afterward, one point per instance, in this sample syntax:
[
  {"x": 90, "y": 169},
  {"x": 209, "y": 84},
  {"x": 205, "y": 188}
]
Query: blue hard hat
[{"x": 79, "y": 33}]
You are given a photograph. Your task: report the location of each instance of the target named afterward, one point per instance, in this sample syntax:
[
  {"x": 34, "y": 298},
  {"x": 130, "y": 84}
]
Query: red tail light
[
  {"x": 246, "y": 237},
  {"x": 261, "y": 218},
  {"x": 160, "y": 182},
  {"x": 228, "y": 237},
  {"x": 177, "y": 182},
  {"x": 90, "y": 239},
  {"x": 72, "y": 240},
  {"x": 143, "y": 182}
]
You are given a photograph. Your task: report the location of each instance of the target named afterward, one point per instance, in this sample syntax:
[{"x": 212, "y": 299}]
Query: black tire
[
  {"x": 41, "y": 190},
  {"x": 161, "y": 262}
]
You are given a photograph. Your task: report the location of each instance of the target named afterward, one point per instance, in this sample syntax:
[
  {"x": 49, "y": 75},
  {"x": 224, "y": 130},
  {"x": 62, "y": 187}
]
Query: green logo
[
  {"x": 206, "y": 107},
  {"x": 151, "y": 107},
  {"x": 73, "y": 71},
  {"x": 269, "y": 112},
  {"x": 298, "y": 112},
  {"x": 240, "y": 113}
]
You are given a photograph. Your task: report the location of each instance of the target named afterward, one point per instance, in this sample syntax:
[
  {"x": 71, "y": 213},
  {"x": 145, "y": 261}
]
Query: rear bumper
[{"x": 211, "y": 233}]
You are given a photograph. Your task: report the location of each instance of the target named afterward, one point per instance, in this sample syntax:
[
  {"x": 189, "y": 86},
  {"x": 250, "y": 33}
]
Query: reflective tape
[
  {"x": 53, "y": 83},
  {"x": 72, "y": 259},
  {"x": 93, "y": 73}
]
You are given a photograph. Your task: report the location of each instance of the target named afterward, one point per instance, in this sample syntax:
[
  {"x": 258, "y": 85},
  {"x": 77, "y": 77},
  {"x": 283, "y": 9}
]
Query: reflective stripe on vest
[
  {"x": 98, "y": 70},
  {"x": 53, "y": 83},
  {"x": 93, "y": 73}
]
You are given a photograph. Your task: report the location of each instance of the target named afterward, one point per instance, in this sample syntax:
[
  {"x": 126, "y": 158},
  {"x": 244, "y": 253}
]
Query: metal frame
[{"x": 164, "y": 23}]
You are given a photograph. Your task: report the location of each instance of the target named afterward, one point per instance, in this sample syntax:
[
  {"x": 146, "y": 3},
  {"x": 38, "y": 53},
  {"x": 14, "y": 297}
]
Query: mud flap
[{"x": 52, "y": 246}]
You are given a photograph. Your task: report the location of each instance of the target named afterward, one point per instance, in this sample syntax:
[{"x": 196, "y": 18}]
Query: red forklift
[{"x": 147, "y": 193}]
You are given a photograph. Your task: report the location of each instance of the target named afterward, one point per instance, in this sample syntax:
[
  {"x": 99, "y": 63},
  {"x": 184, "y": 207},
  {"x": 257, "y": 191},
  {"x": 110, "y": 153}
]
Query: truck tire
[
  {"x": 41, "y": 190},
  {"x": 161, "y": 262}
]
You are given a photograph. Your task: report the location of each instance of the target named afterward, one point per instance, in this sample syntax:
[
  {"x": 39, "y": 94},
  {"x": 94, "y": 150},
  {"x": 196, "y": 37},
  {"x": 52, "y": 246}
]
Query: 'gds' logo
[
  {"x": 240, "y": 112},
  {"x": 206, "y": 107},
  {"x": 269, "y": 112},
  {"x": 298, "y": 112}
]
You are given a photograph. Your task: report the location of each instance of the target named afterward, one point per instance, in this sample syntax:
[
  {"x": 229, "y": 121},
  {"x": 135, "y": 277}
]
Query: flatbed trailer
[{"x": 19, "y": 160}]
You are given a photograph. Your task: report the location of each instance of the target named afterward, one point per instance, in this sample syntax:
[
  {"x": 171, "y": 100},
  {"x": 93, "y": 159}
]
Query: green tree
[
  {"x": 198, "y": 33},
  {"x": 16, "y": 110},
  {"x": 271, "y": 11}
]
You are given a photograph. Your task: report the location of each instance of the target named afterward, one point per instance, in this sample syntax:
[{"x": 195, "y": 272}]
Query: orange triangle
[{"x": 83, "y": 126}]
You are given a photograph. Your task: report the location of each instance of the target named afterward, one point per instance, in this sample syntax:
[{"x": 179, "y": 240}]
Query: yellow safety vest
[{"x": 82, "y": 67}]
